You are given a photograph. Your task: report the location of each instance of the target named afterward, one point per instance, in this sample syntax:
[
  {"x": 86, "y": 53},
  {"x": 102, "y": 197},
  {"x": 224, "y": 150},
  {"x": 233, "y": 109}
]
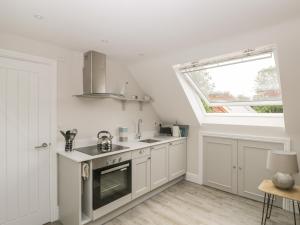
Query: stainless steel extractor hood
[{"x": 95, "y": 81}]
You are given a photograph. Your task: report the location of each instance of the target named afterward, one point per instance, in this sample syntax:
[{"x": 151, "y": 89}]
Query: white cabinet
[
  {"x": 177, "y": 159},
  {"x": 237, "y": 166},
  {"x": 159, "y": 165},
  {"x": 140, "y": 173},
  {"x": 252, "y": 157},
  {"x": 220, "y": 163}
]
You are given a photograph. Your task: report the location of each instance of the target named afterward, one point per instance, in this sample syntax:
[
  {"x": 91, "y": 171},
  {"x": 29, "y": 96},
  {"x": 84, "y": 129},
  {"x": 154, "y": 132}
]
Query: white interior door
[{"x": 25, "y": 119}]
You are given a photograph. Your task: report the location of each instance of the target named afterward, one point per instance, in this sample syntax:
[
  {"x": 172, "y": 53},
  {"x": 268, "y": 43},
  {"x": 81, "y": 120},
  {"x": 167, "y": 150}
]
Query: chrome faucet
[{"x": 139, "y": 134}]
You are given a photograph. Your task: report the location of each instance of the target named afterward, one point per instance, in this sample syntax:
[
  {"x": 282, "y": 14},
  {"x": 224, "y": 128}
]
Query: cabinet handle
[
  {"x": 240, "y": 168},
  {"x": 149, "y": 157},
  {"x": 234, "y": 167}
]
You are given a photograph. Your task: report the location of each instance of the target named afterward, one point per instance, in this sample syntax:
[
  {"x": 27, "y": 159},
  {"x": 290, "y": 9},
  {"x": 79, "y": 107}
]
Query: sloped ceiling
[
  {"x": 152, "y": 36},
  {"x": 134, "y": 29},
  {"x": 157, "y": 77}
]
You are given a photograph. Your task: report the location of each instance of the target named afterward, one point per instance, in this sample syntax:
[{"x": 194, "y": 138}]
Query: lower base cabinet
[
  {"x": 177, "y": 159},
  {"x": 168, "y": 161},
  {"x": 159, "y": 165},
  {"x": 141, "y": 176},
  {"x": 237, "y": 166}
]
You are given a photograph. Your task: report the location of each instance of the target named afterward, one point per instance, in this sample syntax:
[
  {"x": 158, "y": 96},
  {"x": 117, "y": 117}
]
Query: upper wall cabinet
[{"x": 237, "y": 166}]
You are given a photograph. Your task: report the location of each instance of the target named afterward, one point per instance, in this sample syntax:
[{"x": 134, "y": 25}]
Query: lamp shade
[{"x": 284, "y": 162}]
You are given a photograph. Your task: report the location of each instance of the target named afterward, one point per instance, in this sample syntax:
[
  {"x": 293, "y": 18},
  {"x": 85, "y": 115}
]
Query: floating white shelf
[{"x": 121, "y": 98}]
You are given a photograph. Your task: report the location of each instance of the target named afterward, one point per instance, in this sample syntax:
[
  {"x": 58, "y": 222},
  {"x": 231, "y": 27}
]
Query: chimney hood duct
[{"x": 95, "y": 81}]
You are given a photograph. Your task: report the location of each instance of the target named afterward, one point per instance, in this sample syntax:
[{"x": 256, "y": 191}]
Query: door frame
[{"x": 52, "y": 148}]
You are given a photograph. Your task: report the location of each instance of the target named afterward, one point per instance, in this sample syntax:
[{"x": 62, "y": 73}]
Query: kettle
[{"x": 104, "y": 143}]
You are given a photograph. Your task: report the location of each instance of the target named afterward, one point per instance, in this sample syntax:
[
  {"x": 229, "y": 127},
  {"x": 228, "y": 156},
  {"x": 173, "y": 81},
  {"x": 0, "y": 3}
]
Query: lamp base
[{"x": 283, "y": 181}]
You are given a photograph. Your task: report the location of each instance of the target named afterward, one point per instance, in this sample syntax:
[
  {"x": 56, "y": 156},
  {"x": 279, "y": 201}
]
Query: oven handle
[{"x": 115, "y": 168}]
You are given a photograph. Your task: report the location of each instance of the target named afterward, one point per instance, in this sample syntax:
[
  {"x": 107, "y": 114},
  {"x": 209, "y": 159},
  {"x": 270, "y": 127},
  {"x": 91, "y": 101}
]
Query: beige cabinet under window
[
  {"x": 220, "y": 163},
  {"x": 159, "y": 165},
  {"x": 237, "y": 166},
  {"x": 252, "y": 157}
]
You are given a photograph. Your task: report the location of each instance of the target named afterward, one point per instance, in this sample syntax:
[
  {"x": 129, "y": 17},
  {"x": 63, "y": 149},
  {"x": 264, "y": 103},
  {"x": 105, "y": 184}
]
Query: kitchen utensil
[
  {"x": 69, "y": 136},
  {"x": 104, "y": 143}
]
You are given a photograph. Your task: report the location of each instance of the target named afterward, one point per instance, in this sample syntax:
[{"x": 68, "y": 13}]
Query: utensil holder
[{"x": 69, "y": 146}]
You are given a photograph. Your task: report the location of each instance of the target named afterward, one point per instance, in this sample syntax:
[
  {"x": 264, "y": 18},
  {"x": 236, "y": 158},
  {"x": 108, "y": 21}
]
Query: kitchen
[
  {"x": 106, "y": 120},
  {"x": 114, "y": 173}
]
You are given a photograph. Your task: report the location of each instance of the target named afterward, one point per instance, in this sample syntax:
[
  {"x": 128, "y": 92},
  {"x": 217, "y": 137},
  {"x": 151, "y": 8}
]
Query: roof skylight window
[{"x": 247, "y": 82}]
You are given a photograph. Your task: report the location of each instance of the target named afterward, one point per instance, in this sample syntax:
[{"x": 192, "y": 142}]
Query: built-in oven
[{"x": 111, "y": 179}]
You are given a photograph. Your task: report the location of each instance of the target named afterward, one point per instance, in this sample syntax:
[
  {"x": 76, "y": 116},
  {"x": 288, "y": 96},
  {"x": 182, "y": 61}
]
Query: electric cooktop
[{"x": 93, "y": 150}]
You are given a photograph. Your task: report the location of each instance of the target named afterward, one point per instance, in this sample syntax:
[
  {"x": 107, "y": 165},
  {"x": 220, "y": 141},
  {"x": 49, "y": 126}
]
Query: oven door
[{"x": 111, "y": 183}]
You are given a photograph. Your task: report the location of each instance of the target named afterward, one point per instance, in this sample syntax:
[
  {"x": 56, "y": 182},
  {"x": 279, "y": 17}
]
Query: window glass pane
[
  {"x": 242, "y": 109},
  {"x": 252, "y": 79}
]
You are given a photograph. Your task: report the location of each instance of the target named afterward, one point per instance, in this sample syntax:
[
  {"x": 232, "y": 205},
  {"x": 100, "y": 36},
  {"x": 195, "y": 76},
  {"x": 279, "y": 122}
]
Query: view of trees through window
[{"x": 254, "y": 81}]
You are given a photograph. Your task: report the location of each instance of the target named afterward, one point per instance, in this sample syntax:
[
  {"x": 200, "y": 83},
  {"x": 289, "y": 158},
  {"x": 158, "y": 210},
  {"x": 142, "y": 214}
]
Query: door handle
[{"x": 44, "y": 145}]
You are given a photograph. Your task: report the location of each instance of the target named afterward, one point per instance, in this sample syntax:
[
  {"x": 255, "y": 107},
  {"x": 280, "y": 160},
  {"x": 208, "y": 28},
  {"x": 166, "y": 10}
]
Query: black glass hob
[{"x": 93, "y": 150}]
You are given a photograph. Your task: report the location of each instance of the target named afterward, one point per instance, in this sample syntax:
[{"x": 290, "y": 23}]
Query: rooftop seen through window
[{"x": 243, "y": 83}]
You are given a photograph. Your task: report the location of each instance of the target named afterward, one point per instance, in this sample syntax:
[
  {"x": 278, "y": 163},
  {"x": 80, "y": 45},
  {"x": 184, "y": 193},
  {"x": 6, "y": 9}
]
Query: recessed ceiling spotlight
[
  {"x": 105, "y": 41},
  {"x": 38, "y": 16},
  {"x": 141, "y": 54}
]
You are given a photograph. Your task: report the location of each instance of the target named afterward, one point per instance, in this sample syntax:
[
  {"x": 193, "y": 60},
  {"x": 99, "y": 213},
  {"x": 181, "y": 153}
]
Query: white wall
[
  {"x": 87, "y": 115},
  {"x": 157, "y": 77}
]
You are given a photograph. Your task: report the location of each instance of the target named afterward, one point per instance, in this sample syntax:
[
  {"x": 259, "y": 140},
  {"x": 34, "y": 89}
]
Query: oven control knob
[
  {"x": 120, "y": 159},
  {"x": 114, "y": 161}
]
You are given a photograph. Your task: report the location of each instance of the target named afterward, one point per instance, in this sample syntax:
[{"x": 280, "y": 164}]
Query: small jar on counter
[{"x": 123, "y": 134}]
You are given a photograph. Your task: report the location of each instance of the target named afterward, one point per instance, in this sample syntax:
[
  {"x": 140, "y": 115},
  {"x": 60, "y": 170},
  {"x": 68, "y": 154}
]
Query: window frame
[
  {"x": 198, "y": 94},
  {"x": 237, "y": 55}
]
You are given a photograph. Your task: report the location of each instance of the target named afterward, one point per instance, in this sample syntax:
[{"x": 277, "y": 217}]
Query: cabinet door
[
  {"x": 159, "y": 166},
  {"x": 252, "y": 158},
  {"x": 140, "y": 176},
  {"x": 177, "y": 159},
  {"x": 220, "y": 163}
]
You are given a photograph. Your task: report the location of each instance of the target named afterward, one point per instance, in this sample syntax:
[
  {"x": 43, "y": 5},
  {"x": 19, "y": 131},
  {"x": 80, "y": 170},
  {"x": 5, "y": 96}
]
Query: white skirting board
[
  {"x": 192, "y": 177},
  {"x": 288, "y": 205}
]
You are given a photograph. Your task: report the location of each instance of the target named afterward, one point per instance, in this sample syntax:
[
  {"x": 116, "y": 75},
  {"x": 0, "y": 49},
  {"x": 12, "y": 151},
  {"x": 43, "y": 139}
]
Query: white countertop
[{"x": 132, "y": 145}]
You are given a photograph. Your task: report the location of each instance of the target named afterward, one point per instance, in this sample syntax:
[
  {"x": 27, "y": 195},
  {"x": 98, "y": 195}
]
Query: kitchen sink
[{"x": 149, "y": 141}]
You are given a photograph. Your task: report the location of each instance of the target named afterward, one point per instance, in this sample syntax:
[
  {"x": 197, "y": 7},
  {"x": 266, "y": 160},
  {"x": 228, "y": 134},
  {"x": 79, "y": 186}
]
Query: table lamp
[{"x": 285, "y": 164}]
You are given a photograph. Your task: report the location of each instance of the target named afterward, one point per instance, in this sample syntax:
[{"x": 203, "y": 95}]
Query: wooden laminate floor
[{"x": 190, "y": 204}]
